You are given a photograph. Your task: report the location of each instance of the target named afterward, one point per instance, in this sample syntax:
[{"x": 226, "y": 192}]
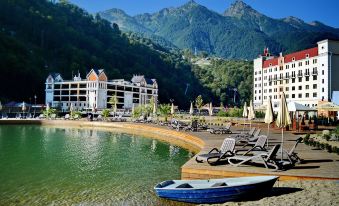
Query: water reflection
[{"x": 46, "y": 165}]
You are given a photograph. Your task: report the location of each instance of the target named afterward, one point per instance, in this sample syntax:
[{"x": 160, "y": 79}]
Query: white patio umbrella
[
  {"x": 154, "y": 109},
  {"x": 210, "y": 111},
  {"x": 283, "y": 119},
  {"x": 71, "y": 109},
  {"x": 132, "y": 110},
  {"x": 47, "y": 107},
  {"x": 191, "y": 109},
  {"x": 23, "y": 108},
  {"x": 251, "y": 114},
  {"x": 172, "y": 109},
  {"x": 244, "y": 114},
  {"x": 269, "y": 117}
]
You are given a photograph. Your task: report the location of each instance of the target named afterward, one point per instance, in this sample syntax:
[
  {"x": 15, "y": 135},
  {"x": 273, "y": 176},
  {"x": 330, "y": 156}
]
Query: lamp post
[{"x": 34, "y": 104}]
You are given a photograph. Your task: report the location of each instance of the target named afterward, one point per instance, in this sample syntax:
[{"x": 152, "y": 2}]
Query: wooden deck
[{"x": 318, "y": 164}]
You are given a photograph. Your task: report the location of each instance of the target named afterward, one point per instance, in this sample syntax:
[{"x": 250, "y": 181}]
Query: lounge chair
[
  {"x": 53, "y": 116},
  {"x": 192, "y": 127},
  {"x": 249, "y": 139},
  {"x": 226, "y": 150},
  {"x": 291, "y": 155},
  {"x": 222, "y": 130},
  {"x": 66, "y": 116},
  {"x": 244, "y": 134},
  {"x": 267, "y": 158},
  {"x": 258, "y": 146}
]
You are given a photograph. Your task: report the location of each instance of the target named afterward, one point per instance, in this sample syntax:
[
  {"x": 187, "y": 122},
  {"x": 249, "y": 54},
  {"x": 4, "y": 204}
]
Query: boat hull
[{"x": 218, "y": 195}]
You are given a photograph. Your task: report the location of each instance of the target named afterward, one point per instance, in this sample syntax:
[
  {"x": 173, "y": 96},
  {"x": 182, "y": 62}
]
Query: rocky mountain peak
[{"x": 240, "y": 9}]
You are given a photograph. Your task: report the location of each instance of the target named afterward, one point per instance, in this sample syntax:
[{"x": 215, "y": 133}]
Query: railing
[
  {"x": 315, "y": 73},
  {"x": 307, "y": 74},
  {"x": 300, "y": 74}
]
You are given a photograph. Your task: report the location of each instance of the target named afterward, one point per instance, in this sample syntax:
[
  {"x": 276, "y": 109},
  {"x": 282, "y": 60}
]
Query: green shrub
[{"x": 326, "y": 137}]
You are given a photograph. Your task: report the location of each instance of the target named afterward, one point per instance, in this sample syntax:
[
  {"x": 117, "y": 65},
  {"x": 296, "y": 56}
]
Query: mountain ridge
[{"x": 240, "y": 32}]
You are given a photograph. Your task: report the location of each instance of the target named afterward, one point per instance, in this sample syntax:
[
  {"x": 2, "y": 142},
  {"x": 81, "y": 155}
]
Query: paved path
[{"x": 317, "y": 164}]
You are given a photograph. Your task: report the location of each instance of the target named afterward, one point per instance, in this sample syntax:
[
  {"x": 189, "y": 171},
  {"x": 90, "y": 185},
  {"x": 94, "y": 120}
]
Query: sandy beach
[{"x": 286, "y": 193}]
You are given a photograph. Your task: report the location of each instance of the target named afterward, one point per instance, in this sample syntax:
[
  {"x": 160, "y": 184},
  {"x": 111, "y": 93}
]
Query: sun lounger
[
  {"x": 246, "y": 139},
  {"x": 291, "y": 155},
  {"x": 226, "y": 150},
  {"x": 259, "y": 145},
  {"x": 244, "y": 134},
  {"x": 267, "y": 158},
  {"x": 66, "y": 116},
  {"x": 222, "y": 130}
]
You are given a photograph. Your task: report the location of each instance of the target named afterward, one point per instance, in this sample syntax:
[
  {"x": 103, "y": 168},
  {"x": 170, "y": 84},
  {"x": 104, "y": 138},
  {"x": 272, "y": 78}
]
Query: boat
[{"x": 215, "y": 190}]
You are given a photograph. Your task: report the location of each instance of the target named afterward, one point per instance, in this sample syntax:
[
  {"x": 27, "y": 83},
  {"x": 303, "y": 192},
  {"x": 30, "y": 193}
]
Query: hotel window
[
  {"x": 259, "y": 91},
  {"x": 255, "y": 79},
  {"x": 287, "y": 96},
  {"x": 314, "y": 61},
  {"x": 264, "y": 97},
  {"x": 275, "y": 96},
  {"x": 307, "y": 95},
  {"x": 255, "y": 73},
  {"x": 265, "y": 84},
  {"x": 314, "y": 94},
  {"x": 300, "y": 87},
  {"x": 293, "y": 65},
  {"x": 259, "y": 97},
  {"x": 293, "y": 59},
  {"x": 255, "y": 91},
  {"x": 307, "y": 86},
  {"x": 307, "y": 55},
  {"x": 287, "y": 81},
  {"x": 270, "y": 90},
  {"x": 255, "y": 98},
  {"x": 314, "y": 77},
  {"x": 265, "y": 90},
  {"x": 287, "y": 66},
  {"x": 275, "y": 89},
  {"x": 307, "y": 62},
  {"x": 280, "y": 89},
  {"x": 322, "y": 65},
  {"x": 323, "y": 89},
  {"x": 299, "y": 95},
  {"x": 314, "y": 86},
  {"x": 275, "y": 83},
  {"x": 300, "y": 79},
  {"x": 323, "y": 81},
  {"x": 307, "y": 78},
  {"x": 281, "y": 68},
  {"x": 293, "y": 80},
  {"x": 293, "y": 96},
  {"x": 293, "y": 88},
  {"x": 323, "y": 72},
  {"x": 287, "y": 88},
  {"x": 300, "y": 64},
  {"x": 259, "y": 72}
]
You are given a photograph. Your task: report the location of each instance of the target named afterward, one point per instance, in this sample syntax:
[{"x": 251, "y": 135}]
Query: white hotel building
[
  {"x": 306, "y": 77},
  {"x": 96, "y": 90}
]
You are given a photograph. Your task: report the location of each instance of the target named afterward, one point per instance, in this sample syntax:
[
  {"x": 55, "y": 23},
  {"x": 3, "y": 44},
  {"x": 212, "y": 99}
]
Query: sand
[{"x": 286, "y": 193}]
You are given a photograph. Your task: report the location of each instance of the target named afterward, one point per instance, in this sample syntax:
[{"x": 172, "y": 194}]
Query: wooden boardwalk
[{"x": 318, "y": 164}]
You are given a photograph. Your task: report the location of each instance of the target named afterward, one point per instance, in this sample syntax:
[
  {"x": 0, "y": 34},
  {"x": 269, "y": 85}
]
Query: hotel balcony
[
  {"x": 300, "y": 74},
  {"x": 307, "y": 74},
  {"x": 287, "y": 77},
  {"x": 315, "y": 73},
  {"x": 293, "y": 76}
]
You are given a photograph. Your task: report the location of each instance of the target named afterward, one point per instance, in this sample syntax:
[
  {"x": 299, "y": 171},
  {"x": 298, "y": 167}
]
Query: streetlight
[{"x": 34, "y": 104}]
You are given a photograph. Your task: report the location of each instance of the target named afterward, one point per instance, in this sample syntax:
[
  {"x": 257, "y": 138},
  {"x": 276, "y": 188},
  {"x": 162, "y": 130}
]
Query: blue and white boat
[{"x": 215, "y": 190}]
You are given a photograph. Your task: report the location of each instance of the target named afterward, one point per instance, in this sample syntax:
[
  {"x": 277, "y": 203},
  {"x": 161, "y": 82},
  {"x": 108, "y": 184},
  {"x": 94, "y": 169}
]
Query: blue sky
[{"x": 325, "y": 11}]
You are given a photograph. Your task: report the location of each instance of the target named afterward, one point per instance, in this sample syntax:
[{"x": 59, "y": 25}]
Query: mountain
[
  {"x": 240, "y": 32},
  {"x": 38, "y": 37}
]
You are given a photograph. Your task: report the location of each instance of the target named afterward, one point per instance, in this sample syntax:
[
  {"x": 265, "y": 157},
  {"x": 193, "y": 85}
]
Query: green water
[{"x": 50, "y": 166}]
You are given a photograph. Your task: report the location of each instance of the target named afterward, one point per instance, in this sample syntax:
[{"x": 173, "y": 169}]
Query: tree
[
  {"x": 165, "y": 110},
  {"x": 113, "y": 101},
  {"x": 199, "y": 103},
  {"x": 105, "y": 113}
]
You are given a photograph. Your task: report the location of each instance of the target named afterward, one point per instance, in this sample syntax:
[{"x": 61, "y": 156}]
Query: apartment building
[
  {"x": 96, "y": 90},
  {"x": 306, "y": 76}
]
